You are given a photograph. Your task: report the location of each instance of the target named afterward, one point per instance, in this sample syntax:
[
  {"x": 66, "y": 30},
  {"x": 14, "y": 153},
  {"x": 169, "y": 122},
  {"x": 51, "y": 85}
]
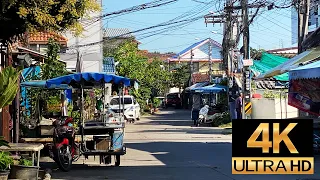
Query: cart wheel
[{"x": 117, "y": 160}]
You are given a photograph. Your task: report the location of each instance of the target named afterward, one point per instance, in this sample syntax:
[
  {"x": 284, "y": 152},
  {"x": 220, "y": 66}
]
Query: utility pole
[
  {"x": 246, "y": 72},
  {"x": 227, "y": 38},
  {"x": 78, "y": 56},
  {"x": 191, "y": 67},
  {"x": 227, "y": 44},
  {"x": 227, "y": 18},
  {"x": 303, "y": 7},
  {"x": 303, "y": 19},
  {"x": 210, "y": 62}
]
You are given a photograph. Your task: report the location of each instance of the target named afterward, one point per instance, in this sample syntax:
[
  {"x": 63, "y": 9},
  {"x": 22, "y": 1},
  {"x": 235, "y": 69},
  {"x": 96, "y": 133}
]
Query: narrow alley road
[{"x": 166, "y": 146}]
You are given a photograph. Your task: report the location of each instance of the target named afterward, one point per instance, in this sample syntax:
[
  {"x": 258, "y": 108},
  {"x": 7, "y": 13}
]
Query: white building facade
[{"x": 91, "y": 54}]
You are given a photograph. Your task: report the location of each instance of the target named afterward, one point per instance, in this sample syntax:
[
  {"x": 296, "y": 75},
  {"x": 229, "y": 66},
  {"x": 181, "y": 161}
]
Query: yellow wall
[{"x": 204, "y": 66}]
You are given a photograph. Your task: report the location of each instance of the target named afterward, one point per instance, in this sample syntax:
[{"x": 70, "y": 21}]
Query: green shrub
[
  {"x": 224, "y": 118},
  {"x": 5, "y": 160},
  {"x": 156, "y": 102},
  {"x": 25, "y": 162}
]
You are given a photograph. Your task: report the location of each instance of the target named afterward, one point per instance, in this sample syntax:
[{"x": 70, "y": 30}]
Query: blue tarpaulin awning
[
  {"x": 42, "y": 84},
  {"x": 88, "y": 77},
  {"x": 308, "y": 71},
  {"x": 197, "y": 85},
  {"x": 216, "y": 88},
  {"x": 63, "y": 82}
]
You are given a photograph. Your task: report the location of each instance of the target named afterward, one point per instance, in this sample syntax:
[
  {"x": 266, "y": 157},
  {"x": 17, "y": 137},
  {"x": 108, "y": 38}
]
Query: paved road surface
[{"x": 166, "y": 146}]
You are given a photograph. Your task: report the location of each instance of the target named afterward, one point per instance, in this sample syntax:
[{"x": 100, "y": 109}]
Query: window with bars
[{"x": 108, "y": 65}]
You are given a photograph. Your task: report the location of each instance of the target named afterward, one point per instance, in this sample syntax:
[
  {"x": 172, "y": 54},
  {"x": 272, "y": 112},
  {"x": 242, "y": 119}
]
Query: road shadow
[
  {"x": 172, "y": 117},
  {"x": 181, "y": 160},
  {"x": 196, "y": 130}
]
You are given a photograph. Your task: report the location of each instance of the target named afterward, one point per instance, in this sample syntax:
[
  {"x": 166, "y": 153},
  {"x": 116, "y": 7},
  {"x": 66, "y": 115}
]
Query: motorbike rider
[
  {"x": 196, "y": 108},
  {"x": 239, "y": 106},
  {"x": 204, "y": 111}
]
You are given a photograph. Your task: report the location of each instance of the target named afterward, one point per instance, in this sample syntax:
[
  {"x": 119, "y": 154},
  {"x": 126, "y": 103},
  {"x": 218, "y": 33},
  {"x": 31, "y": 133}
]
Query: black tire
[
  {"x": 64, "y": 160},
  {"x": 117, "y": 160}
]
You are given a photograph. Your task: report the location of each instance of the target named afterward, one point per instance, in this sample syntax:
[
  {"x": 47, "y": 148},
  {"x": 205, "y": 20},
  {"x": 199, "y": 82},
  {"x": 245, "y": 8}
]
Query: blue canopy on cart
[
  {"x": 216, "y": 88},
  {"x": 42, "y": 84},
  {"x": 89, "y": 77}
]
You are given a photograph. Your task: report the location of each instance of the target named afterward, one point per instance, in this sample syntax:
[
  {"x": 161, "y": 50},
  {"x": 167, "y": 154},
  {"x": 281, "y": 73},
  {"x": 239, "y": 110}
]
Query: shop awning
[
  {"x": 268, "y": 62},
  {"x": 211, "y": 89},
  {"x": 200, "y": 84},
  {"x": 308, "y": 71},
  {"x": 292, "y": 63},
  {"x": 42, "y": 85}
]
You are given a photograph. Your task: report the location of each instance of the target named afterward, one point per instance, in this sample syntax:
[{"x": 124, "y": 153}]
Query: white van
[{"x": 129, "y": 104}]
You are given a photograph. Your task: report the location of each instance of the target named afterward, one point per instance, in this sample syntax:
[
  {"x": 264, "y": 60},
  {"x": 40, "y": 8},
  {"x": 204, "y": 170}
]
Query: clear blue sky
[{"x": 270, "y": 30}]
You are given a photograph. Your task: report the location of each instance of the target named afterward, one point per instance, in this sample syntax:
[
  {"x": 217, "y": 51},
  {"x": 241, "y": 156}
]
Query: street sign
[
  {"x": 247, "y": 62},
  {"x": 247, "y": 83},
  {"x": 248, "y": 108}
]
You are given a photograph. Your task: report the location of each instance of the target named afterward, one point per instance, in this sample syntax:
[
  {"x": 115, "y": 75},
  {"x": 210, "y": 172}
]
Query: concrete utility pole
[
  {"x": 303, "y": 19},
  {"x": 191, "y": 67},
  {"x": 246, "y": 72},
  {"x": 227, "y": 43},
  {"x": 210, "y": 62}
]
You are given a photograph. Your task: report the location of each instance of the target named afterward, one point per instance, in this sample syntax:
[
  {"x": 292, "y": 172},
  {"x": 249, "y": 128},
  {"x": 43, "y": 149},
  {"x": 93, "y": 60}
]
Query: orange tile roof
[
  {"x": 198, "y": 77},
  {"x": 43, "y": 37}
]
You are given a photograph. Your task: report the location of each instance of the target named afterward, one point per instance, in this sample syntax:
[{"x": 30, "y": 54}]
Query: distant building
[
  {"x": 200, "y": 59},
  {"x": 285, "y": 52},
  {"x": 155, "y": 55},
  {"x": 85, "y": 52},
  {"x": 39, "y": 41},
  {"x": 113, "y": 37}
]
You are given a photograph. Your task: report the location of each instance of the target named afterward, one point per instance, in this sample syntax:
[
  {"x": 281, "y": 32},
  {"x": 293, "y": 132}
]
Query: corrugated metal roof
[
  {"x": 117, "y": 32},
  {"x": 195, "y": 45},
  {"x": 267, "y": 62}
]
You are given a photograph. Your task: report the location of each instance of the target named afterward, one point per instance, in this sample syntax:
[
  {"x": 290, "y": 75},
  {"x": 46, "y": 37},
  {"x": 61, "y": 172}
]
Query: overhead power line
[
  {"x": 149, "y": 5},
  {"x": 151, "y": 27}
]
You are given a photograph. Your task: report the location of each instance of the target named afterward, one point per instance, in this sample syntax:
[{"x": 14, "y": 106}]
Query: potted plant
[
  {"x": 5, "y": 161},
  {"x": 24, "y": 170}
]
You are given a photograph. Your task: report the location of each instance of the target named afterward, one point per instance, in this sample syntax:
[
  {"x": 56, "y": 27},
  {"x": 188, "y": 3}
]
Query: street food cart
[{"x": 99, "y": 136}]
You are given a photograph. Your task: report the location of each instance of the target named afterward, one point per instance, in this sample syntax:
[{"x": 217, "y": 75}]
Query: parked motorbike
[
  {"x": 64, "y": 149},
  {"x": 205, "y": 117},
  {"x": 203, "y": 113}
]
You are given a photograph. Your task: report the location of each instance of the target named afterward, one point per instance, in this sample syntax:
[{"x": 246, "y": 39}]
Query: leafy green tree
[
  {"x": 156, "y": 76},
  {"x": 256, "y": 53},
  {"x": 19, "y": 16},
  {"x": 152, "y": 77},
  {"x": 180, "y": 77},
  {"x": 52, "y": 67}
]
